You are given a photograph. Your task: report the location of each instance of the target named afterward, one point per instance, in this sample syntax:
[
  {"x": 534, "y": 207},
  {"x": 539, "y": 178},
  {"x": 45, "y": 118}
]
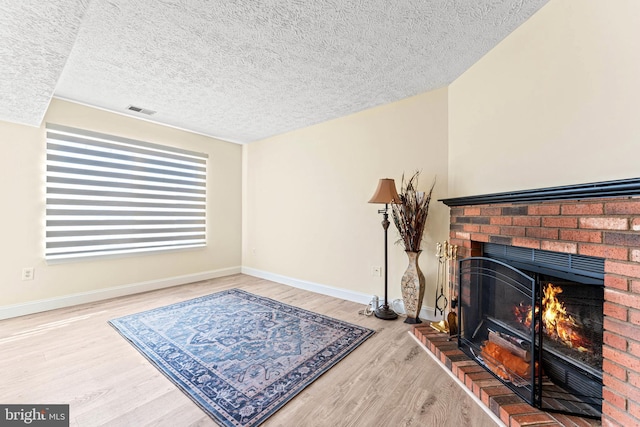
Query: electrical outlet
[
  {"x": 376, "y": 271},
  {"x": 27, "y": 273}
]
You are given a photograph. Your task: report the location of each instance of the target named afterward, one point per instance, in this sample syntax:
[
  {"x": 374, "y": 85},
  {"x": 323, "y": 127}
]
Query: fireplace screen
[{"x": 539, "y": 334}]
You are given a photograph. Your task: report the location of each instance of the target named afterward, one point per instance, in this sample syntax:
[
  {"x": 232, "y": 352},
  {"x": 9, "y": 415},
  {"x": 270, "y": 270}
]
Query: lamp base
[{"x": 385, "y": 313}]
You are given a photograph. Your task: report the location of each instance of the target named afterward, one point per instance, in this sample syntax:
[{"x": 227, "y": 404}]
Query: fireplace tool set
[{"x": 447, "y": 255}]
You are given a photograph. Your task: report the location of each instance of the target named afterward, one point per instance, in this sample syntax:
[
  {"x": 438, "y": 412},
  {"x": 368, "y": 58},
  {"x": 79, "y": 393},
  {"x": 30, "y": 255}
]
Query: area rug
[{"x": 240, "y": 356}]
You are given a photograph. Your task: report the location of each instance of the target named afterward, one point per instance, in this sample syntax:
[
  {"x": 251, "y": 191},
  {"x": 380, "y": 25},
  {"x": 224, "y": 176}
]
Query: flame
[{"x": 557, "y": 324}]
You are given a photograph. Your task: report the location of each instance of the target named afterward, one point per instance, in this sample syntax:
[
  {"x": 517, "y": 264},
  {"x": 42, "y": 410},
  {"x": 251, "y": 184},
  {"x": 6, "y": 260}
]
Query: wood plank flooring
[{"x": 73, "y": 356}]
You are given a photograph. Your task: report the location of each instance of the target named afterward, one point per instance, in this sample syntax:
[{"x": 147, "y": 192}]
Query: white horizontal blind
[{"x": 110, "y": 195}]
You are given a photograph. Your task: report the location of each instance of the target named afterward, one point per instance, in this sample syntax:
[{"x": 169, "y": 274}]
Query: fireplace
[
  {"x": 534, "y": 319},
  {"x": 600, "y": 220}
]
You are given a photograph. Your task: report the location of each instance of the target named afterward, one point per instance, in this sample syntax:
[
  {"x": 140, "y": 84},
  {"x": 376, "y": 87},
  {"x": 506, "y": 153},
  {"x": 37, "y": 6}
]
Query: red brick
[
  {"x": 634, "y": 409},
  {"x": 616, "y": 282},
  {"x": 605, "y": 223},
  {"x": 543, "y": 233},
  {"x": 566, "y": 247},
  {"x": 456, "y": 365},
  {"x": 635, "y": 255},
  {"x": 634, "y": 379},
  {"x": 490, "y": 211},
  {"x": 527, "y": 221},
  {"x": 624, "y": 359},
  {"x": 465, "y": 370},
  {"x": 614, "y": 417},
  {"x": 635, "y": 224},
  {"x": 490, "y": 229},
  {"x": 614, "y": 369},
  {"x": 501, "y": 220},
  {"x": 462, "y": 235},
  {"x": 475, "y": 211},
  {"x": 543, "y": 209},
  {"x": 623, "y": 298},
  {"x": 615, "y": 310},
  {"x": 614, "y": 398},
  {"x": 472, "y": 228},
  {"x": 583, "y": 209},
  {"x": 513, "y": 231},
  {"x": 560, "y": 222},
  {"x": 475, "y": 376},
  {"x": 635, "y": 286},
  {"x": 540, "y": 419},
  {"x": 478, "y": 237},
  {"x": 622, "y": 208},
  {"x": 634, "y": 317},
  {"x": 489, "y": 392},
  {"x": 615, "y": 341},
  {"x": 507, "y": 411},
  {"x": 634, "y": 347},
  {"x": 581, "y": 236},
  {"x": 622, "y": 268},
  {"x": 478, "y": 385},
  {"x": 623, "y": 388},
  {"x": 526, "y": 242},
  {"x": 624, "y": 329},
  {"x": 604, "y": 251}
]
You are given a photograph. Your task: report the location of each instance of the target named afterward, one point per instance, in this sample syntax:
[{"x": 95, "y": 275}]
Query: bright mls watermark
[{"x": 34, "y": 415}]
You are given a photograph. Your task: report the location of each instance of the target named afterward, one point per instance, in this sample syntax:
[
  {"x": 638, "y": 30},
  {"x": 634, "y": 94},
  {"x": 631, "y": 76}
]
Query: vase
[{"x": 412, "y": 289}]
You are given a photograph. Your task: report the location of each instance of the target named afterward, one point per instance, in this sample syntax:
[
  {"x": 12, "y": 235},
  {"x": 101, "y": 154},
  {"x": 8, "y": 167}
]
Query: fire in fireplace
[{"x": 535, "y": 320}]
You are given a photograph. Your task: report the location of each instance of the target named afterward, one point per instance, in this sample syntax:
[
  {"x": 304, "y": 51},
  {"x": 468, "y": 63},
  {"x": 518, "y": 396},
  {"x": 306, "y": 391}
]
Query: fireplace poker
[
  {"x": 452, "y": 317},
  {"x": 441, "y": 253}
]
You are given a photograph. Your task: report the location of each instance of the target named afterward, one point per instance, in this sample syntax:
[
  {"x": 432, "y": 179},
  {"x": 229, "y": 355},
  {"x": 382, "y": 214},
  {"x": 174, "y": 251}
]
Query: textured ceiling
[{"x": 240, "y": 70}]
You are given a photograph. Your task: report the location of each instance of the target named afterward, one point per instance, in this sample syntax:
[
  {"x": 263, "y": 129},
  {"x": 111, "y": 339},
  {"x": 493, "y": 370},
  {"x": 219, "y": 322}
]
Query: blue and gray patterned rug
[{"x": 240, "y": 356}]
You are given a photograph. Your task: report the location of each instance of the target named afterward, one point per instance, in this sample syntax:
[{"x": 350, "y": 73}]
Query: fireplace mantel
[{"x": 620, "y": 188}]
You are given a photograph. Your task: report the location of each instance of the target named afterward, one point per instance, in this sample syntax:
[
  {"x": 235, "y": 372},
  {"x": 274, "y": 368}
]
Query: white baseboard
[
  {"x": 310, "y": 286},
  {"x": 102, "y": 294},
  {"x": 318, "y": 288}
]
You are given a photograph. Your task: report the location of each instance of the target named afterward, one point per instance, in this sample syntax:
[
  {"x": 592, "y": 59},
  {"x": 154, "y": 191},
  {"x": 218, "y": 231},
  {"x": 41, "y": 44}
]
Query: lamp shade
[{"x": 386, "y": 192}]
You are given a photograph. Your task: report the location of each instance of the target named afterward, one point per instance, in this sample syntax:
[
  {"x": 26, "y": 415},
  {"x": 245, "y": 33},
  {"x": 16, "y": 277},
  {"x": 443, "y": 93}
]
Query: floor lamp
[{"x": 385, "y": 193}]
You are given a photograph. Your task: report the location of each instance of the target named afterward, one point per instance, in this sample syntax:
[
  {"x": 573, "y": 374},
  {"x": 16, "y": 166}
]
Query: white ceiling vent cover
[{"x": 141, "y": 110}]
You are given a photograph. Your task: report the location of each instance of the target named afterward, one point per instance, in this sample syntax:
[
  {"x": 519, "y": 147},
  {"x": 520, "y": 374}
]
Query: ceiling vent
[{"x": 141, "y": 110}]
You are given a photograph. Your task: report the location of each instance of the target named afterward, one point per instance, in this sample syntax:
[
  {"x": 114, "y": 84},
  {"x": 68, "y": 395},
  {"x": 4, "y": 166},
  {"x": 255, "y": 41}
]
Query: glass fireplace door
[{"x": 488, "y": 291}]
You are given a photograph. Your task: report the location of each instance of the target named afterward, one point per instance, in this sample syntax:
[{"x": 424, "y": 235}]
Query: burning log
[
  {"x": 559, "y": 325},
  {"x": 498, "y": 339},
  {"x": 504, "y": 363}
]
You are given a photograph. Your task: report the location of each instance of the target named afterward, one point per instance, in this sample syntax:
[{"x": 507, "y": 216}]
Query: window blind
[{"x": 111, "y": 195}]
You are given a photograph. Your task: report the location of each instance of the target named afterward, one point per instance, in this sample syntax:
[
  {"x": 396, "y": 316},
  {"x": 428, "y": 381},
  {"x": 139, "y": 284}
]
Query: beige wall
[
  {"x": 556, "y": 103},
  {"x": 306, "y": 214},
  {"x": 22, "y": 161}
]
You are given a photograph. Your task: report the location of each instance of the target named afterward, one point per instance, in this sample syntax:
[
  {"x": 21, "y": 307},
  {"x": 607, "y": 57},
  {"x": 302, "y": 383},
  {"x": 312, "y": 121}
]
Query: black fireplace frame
[{"x": 498, "y": 268}]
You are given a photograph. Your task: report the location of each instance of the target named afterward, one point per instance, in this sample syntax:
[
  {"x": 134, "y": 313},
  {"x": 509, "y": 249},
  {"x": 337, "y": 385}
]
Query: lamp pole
[{"x": 385, "y": 312}]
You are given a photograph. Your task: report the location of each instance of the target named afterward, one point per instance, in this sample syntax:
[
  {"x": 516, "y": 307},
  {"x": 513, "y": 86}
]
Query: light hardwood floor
[{"x": 73, "y": 356}]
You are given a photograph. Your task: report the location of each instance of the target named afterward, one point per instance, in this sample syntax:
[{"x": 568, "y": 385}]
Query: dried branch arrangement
[{"x": 410, "y": 217}]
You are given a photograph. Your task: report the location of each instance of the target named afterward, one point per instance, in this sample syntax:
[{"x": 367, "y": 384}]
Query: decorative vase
[{"x": 412, "y": 289}]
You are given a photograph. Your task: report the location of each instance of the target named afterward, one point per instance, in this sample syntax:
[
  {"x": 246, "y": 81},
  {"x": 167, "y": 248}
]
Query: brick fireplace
[{"x": 599, "y": 220}]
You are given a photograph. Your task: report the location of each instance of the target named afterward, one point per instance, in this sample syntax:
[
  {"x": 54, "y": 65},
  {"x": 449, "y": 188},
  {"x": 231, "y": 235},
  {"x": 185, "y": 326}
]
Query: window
[{"x": 110, "y": 195}]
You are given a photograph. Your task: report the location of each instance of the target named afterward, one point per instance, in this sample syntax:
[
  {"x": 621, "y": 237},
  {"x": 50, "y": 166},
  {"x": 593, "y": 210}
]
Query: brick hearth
[
  {"x": 605, "y": 228},
  {"x": 502, "y": 401}
]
